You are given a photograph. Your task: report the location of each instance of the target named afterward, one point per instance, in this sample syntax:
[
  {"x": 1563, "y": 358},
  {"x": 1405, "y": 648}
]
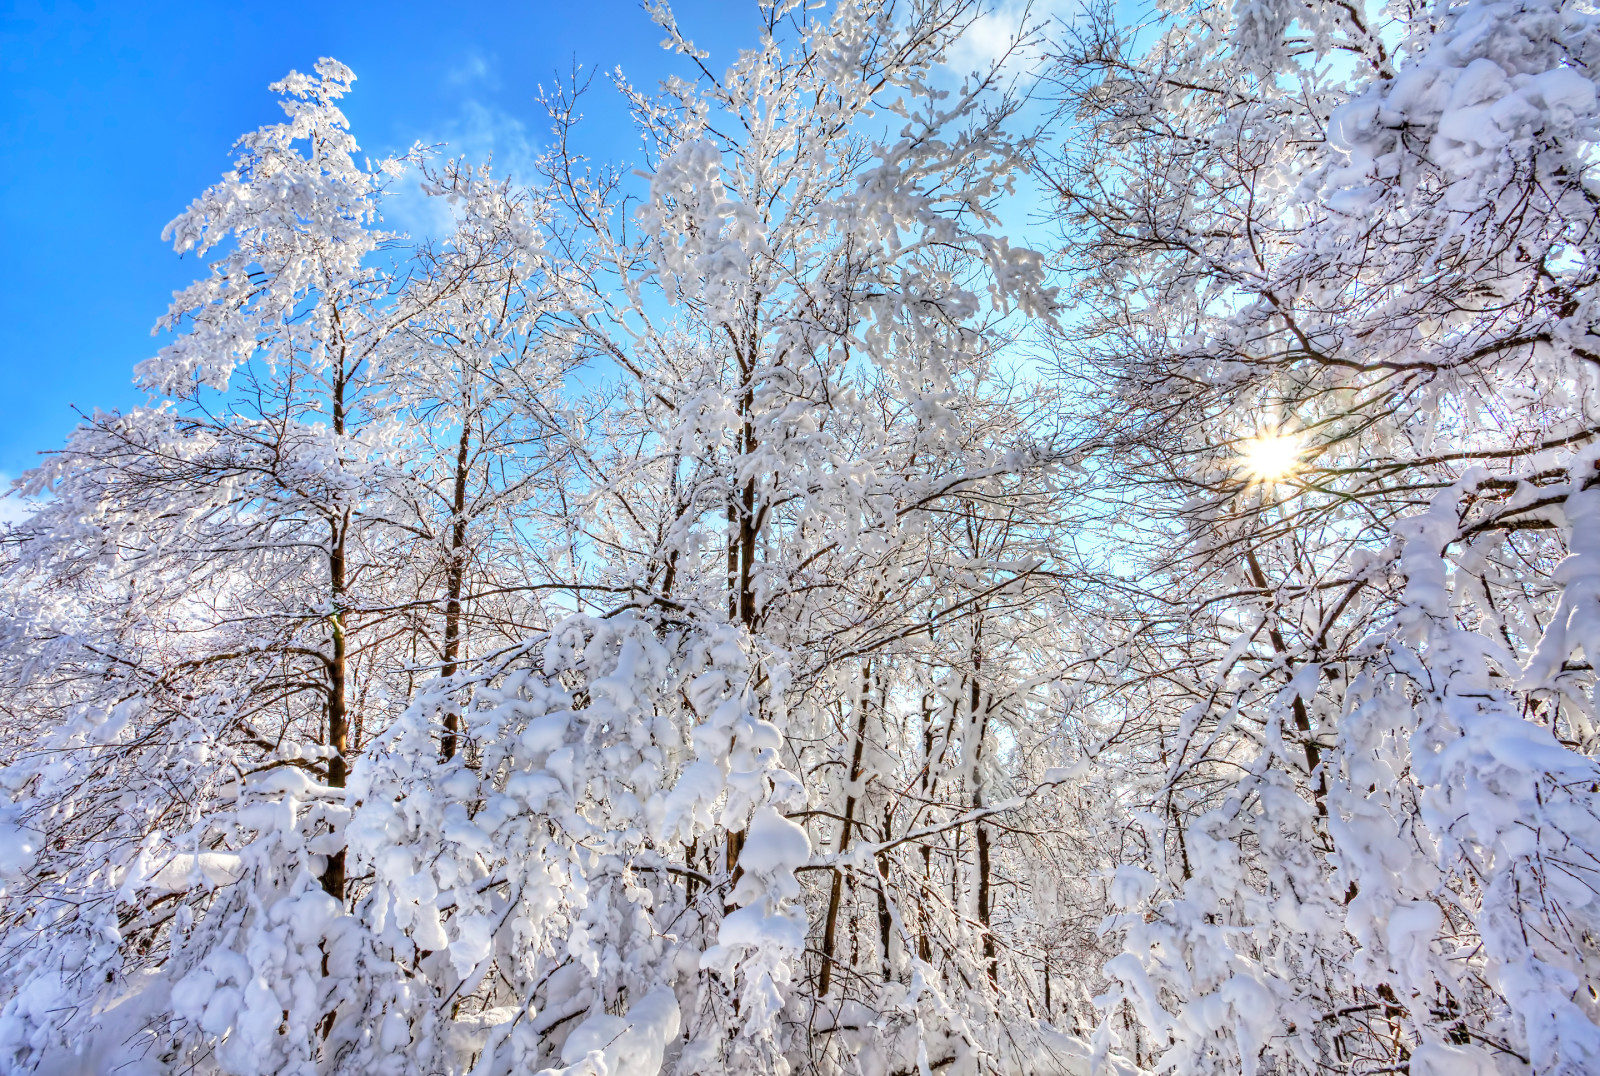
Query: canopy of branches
[{"x": 1080, "y": 560}]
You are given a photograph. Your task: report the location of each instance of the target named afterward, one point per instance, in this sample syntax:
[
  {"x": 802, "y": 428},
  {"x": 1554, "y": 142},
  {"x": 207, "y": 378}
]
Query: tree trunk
[
  {"x": 836, "y": 890},
  {"x": 338, "y": 717},
  {"x": 885, "y": 920},
  {"x": 454, "y": 575},
  {"x": 980, "y": 725},
  {"x": 1302, "y": 720}
]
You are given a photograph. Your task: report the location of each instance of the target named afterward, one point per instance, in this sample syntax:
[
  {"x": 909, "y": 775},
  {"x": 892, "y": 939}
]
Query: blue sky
[{"x": 113, "y": 116}]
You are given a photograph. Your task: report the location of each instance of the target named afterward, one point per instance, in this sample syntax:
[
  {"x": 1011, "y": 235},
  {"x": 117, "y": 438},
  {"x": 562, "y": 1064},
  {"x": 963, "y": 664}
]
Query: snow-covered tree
[
  {"x": 674, "y": 622},
  {"x": 746, "y": 786},
  {"x": 1339, "y": 264},
  {"x": 402, "y": 703},
  {"x": 228, "y": 591},
  {"x": 478, "y": 368}
]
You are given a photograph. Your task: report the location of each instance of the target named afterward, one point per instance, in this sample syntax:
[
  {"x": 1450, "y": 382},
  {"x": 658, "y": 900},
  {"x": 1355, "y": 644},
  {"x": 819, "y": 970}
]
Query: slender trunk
[
  {"x": 741, "y": 557},
  {"x": 991, "y": 959},
  {"x": 733, "y": 557},
  {"x": 836, "y": 890},
  {"x": 454, "y": 575},
  {"x": 747, "y": 547},
  {"x": 885, "y": 920},
  {"x": 747, "y": 505},
  {"x": 735, "y": 872},
  {"x": 338, "y": 717},
  {"x": 980, "y": 722},
  {"x": 689, "y": 888},
  {"x": 1302, "y": 720},
  {"x": 735, "y": 837},
  {"x": 924, "y": 936}
]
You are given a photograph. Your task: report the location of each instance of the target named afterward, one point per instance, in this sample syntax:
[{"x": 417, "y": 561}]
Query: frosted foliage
[
  {"x": 303, "y": 217},
  {"x": 537, "y": 860},
  {"x": 751, "y": 611},
  {"x": 611, "y": 638},
  {"x": 1364, "y": 761}
]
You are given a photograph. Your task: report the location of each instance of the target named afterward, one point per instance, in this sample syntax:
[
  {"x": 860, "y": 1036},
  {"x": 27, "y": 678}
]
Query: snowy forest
[{"x": 1081, "y": 562}]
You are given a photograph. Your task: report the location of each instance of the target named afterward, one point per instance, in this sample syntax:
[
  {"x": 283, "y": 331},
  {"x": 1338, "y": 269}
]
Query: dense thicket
[
  {"x": 1340, "y": 266},
  {"x": 762, "y": 615}
]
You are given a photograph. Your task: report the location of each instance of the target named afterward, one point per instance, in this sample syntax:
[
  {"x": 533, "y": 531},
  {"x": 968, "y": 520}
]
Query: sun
[{"x": 1270, "y": 456}]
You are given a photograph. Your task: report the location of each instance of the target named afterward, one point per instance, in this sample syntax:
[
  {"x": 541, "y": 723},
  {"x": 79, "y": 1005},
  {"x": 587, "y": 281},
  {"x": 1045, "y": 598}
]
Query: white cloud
[
  {"x": 993, "y": 33},
  {"x": 13, "y": 509},
  {"x": 475, "y": 68},
  {"x": 479, "y": 131}
]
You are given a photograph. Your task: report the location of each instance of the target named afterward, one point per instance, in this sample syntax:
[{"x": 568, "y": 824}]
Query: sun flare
[{"x": 1270, "y": 456}]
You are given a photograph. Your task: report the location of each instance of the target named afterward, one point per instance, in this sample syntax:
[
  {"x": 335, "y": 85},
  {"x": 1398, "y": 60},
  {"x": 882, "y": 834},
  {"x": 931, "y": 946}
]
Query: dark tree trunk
[{"x": 454, "y": 576}]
